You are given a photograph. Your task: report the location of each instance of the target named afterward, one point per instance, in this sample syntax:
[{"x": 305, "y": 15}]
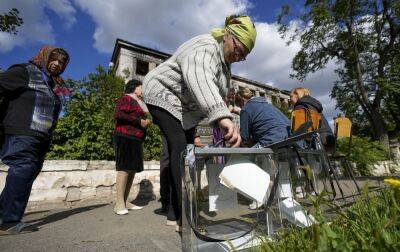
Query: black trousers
[
  {"x": 165, "y": 180},
  {"x": 177, "y": 139}
]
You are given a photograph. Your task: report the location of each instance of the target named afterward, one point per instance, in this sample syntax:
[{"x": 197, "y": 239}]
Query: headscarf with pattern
[
  {"x": 241, "y": 27},
  {"x": 41, "y": 60}
]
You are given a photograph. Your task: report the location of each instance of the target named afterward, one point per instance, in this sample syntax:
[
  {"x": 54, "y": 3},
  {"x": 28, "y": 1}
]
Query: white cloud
[
  {"x": 36, "y": 27},
  {"x": 163, "y": 25}
]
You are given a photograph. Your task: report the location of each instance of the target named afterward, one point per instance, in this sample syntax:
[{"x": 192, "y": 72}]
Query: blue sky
[
  {"x": 78, "y": 39},
  {"x": 88, "y": 30}
]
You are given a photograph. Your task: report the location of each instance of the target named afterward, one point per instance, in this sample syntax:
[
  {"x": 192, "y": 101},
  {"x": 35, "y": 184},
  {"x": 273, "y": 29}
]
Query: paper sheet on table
[
  {"x": 247, "y": 178},
  {"x": 220, "y": 197}
]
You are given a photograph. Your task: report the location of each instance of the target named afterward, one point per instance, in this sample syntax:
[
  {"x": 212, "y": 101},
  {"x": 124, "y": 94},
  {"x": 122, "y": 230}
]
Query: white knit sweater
[{"x": 190, "y": 85}]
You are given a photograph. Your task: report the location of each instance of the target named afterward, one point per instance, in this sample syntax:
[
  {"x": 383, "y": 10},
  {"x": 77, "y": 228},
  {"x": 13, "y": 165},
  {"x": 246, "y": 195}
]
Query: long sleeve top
[
  {"x": 262, "y": 122},
  {"x": 128, "y": 115},
  {"x": 191, "y": 84}
]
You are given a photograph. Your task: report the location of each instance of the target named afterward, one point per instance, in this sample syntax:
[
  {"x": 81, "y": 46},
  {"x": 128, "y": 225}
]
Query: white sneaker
[
  {"x": 171, "y": 223},
  {"x": 131, "y": 206},
  {"x": 121, "y": 212}
]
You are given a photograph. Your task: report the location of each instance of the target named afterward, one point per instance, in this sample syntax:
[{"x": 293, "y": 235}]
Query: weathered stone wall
[
  {"x": 385, "y": 168},
  {"x": 66, "y": 182}
]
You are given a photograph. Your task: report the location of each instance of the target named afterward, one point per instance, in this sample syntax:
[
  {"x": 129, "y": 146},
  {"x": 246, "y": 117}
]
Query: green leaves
[
  {"x": 86, "y": 129},
  {"x": 364, "y": 152},
  {"x": 10, "y": 21},
  {"x": 370, "y": 224},
  {"x": 363, "y": 38}
]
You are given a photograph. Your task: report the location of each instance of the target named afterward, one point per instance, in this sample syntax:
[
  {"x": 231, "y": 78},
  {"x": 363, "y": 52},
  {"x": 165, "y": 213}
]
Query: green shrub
[
  {"x": 371, "y": 224},
  {"x": 86, "y": 129},
  {"x": 364, "y": 152},
  {"x": 152, "y": 144}
]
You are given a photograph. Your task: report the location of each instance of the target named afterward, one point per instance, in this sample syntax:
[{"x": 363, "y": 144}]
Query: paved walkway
[{"x": 96, "y": 228}]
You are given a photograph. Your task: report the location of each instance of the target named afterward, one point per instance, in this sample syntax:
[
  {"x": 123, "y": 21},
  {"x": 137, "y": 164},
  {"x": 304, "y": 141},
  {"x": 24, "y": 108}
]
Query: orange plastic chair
[
  {"x": 301, "y": 116},
  {"x": 343, "y": 130},
  {"x": 342, "y": 127}
]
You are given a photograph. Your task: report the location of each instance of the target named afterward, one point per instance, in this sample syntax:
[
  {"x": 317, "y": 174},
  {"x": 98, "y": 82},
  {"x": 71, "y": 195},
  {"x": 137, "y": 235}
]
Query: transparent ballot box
[
  {"x": 223, "y": 193},
  {"x": 233, "y": 198}
]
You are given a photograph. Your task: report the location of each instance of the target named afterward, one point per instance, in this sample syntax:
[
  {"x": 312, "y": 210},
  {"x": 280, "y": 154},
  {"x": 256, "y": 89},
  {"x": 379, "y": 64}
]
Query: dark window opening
[{"x": 142, "y": 67}]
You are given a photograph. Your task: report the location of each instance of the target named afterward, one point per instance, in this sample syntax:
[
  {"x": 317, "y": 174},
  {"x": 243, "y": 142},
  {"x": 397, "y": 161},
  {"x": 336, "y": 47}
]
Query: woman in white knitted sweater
[{"x": 190, "y": 86}]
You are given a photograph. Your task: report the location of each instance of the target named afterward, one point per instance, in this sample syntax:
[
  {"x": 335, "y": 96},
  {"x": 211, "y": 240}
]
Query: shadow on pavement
[
  {"x": 145, "y": 194},
  {"x": 62, "y": 215}
]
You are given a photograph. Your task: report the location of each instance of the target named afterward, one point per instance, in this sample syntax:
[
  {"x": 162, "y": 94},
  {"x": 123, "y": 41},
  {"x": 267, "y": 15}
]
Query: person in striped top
[{"x": 191, "y": 85}]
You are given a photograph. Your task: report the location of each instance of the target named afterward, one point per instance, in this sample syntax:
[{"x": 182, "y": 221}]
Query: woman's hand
[
  {"x": 144, "y": 123},
  {"x": 230, "y": 131},
  {"x": 197, "y": 142}
]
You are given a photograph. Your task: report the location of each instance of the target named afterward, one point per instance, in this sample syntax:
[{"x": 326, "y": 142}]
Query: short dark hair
[{"x": 131, "y": 86}]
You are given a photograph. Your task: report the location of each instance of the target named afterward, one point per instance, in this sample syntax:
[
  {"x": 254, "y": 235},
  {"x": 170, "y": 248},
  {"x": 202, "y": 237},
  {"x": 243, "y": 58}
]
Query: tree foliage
[
  {"x": 86, "y": 129},
  {"x": 363, "y": 37},
  {"x": 10, "y": 21},
  {"x": 363, "y": 151}
]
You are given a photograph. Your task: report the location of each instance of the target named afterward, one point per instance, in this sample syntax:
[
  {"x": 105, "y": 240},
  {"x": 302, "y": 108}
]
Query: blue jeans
[{"x": 24, "y": 155}]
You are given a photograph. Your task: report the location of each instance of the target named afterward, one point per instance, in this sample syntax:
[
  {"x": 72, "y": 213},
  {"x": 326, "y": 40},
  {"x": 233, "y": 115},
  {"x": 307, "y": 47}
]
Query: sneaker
[
  {"x": 171, "y": 223},
  {"x": 120, "y": 212},
  {"x": 131, "y": 206}
]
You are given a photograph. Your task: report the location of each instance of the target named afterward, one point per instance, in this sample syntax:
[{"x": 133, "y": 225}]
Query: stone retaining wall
[{"x": 67, "y": 182}]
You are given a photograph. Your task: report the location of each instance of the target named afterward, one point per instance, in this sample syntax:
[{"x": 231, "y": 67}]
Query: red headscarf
[{"x": 41, "y": 60}]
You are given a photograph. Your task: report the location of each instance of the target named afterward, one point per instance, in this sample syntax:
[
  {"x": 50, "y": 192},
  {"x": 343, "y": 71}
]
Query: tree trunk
[{"x": 376, "y": 119}]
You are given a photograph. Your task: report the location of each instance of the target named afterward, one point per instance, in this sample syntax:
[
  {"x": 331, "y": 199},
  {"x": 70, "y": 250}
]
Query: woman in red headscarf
[{"x": 29, "y": 117}]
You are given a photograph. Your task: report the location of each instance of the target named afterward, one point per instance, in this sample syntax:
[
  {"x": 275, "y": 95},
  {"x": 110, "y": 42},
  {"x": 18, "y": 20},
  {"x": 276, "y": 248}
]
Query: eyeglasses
[{"x": 239, "y": 53}]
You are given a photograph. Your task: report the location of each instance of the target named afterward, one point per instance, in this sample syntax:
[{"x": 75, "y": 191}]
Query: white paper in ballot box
[{"x": 246, "y": 178}]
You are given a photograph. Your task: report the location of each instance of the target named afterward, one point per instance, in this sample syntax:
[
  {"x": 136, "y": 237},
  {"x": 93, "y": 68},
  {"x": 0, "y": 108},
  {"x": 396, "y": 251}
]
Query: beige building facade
[{"x": 133, "y": 61}]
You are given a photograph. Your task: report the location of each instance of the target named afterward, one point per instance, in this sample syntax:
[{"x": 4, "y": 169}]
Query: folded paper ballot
[
  {"x": 220, "y": 197},
  {"x": 245, "y": 177},
  {"x": 295, "y": 213}
]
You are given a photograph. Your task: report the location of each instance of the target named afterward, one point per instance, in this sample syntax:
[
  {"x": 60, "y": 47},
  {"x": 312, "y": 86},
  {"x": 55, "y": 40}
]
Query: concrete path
[{"x": 96, "y": 228}]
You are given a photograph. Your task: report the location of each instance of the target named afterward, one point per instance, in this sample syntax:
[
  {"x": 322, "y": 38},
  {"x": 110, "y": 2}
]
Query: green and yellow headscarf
[{"x": 241, "y": 27}]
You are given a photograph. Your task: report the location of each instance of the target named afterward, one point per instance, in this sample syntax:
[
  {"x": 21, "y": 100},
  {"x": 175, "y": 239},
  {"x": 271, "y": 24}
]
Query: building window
[{"x": 142, "y": 67}]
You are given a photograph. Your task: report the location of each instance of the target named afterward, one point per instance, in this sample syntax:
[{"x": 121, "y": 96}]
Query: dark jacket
[
  {"x": 32, "y": 108},
  {"x": 310, "y": 102},
  {"x": 262, "y": 122}
]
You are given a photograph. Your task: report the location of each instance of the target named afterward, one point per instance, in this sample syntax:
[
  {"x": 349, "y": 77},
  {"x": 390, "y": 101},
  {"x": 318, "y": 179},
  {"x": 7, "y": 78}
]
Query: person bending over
[{"x": 191, "y": 85}]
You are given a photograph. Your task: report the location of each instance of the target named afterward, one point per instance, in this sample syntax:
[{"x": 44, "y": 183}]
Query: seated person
[
  {"x": 261, "y": 123},
  {"x": 300, "y": 98}
]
